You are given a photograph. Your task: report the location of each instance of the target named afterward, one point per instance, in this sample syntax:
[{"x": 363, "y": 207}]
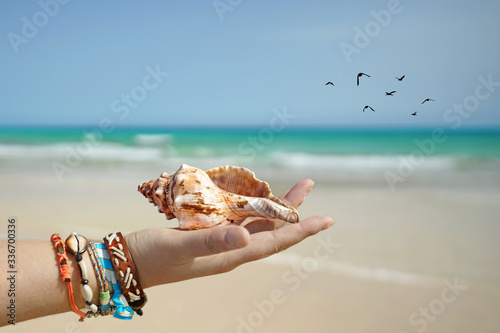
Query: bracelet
[
  {"x": 104, "y": 296},
  {"x": 123, "y": 310},
  {"x": 65, "y": 271},
  {"x": 106, "y": 276},
  {"x": 77, "y": 245},
  {"x": 126, "y": 272}
]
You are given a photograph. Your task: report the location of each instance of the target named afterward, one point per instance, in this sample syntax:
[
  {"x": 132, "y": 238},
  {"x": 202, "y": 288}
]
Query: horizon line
[{"x": 253, "y": 127}]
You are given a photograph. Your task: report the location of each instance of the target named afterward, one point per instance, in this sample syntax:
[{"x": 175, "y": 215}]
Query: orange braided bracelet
[{"x": 65, "y": 271}]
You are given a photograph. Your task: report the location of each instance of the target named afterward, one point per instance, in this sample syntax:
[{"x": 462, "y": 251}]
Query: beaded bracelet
[
  {"x": 65, "y": 271},
  {"x": 105, "y": 307},
  {"x": 77, "y": 245}
]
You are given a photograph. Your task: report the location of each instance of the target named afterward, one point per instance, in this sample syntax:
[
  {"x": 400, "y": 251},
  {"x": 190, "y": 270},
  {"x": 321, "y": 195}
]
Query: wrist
[
  {"x": 143, "y": 259},
  {"x": 126, "y": 270}
]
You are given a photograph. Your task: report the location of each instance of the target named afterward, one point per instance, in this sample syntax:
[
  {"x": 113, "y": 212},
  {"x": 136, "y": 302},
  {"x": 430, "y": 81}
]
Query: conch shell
[{"x": 219, "y": 196}]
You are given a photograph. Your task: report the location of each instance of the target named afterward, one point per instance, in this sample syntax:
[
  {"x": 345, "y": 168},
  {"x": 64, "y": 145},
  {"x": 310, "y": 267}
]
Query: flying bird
[
  {"x": 427, "y": 100},
  {"x": 400, "y": 78},
  {"x": 368, "y": 107},
  {"x": 359, "y": 75},
  {"x": 414, "y": 114},
  {"x": 390, "y": 93},
  {"x": 329, "y": 82}
]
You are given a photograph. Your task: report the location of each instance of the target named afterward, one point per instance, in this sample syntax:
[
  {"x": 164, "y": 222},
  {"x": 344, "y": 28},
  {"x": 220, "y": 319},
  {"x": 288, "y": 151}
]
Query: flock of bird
[{"x": 387, "y": 93}]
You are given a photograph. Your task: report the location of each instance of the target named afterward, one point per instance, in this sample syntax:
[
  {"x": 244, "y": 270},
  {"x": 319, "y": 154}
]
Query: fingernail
[
  {"x": 234, "y": 239},
  {"x": 329, "y": 223}
]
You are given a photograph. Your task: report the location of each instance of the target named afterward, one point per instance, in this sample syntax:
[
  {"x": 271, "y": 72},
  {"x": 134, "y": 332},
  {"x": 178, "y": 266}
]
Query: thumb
[{"x": 198, "y": 243}]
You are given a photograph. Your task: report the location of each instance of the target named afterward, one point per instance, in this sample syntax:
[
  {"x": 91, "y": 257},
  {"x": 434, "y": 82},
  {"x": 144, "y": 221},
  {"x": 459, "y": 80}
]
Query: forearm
[
  {"x": 161, "y": 256},
  {"x": 39, "y": 289}
]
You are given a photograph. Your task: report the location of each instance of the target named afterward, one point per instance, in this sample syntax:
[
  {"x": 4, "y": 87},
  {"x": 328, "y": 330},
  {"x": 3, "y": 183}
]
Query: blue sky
[{"x": 232, "y": 62}]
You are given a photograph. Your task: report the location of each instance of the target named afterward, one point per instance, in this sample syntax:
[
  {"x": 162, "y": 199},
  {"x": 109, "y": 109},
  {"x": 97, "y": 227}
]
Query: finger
[
  {"x": 262, "y": 244},
  {"x": 198, "y": 243},
  {"x": 297, "y": 194},
  {"x": 259, "y": 225},
  {"x": 278, "y": 223},
  {"x": 268, "y": 243},
  {"x": 284, "y": 194}
]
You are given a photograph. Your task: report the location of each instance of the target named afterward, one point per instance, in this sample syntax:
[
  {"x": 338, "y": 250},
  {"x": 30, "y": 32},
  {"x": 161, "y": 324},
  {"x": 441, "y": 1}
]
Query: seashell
[
  {"x": 219, "y": 196},
  {"x": 76, "y": 243}
]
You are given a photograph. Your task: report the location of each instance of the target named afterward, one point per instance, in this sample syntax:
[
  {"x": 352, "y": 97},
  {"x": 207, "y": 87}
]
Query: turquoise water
[
  {"x": 323, "y": 141},
  {"x": 291, "y": 148}
]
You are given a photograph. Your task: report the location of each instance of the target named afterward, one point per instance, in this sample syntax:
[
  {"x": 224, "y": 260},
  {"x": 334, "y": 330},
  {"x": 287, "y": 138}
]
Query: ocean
[{"x": 331, "y": 154}]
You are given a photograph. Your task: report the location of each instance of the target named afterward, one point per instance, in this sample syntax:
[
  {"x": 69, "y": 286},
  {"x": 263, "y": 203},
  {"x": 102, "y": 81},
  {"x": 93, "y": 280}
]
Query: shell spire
[
  {"x": 219, "y": 196},
  {"x": 155, "y": 191},
  {"x": 147, "y": 190}
]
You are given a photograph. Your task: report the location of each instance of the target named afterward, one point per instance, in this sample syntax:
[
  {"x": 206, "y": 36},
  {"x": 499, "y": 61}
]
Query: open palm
[{"x": 165, "y": 255}]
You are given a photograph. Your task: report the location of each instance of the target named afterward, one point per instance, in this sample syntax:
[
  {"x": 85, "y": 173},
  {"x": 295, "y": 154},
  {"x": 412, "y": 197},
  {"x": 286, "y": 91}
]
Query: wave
[
  {"x": 152, "y": 139},
  {"x": 103, "y": 152},
  {"x": 360, "y": 162},
  {"x": 160, "y": 149},
  {"x": 165, "y": 156}
]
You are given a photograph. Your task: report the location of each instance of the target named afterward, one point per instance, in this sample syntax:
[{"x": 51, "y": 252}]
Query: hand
[{"x": 164, "y": 255}]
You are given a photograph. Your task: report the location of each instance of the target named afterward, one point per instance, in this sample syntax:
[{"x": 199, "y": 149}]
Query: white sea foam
[
  {"x": 301, "y": 161},
  {"x": 379, "y": 274},
  {"x": 160, "y": 150},
  {"x": 101, "y": 152},
  {"x": 152, "y": 139}
]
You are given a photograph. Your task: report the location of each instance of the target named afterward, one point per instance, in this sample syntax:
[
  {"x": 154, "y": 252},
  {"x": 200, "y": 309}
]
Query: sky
[{"x": 241, "y": 63}]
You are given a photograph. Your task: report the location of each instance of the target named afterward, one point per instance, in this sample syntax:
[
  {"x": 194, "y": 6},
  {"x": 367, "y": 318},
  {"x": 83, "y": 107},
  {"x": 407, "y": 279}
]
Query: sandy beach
[{"x": 423, "y": 258}]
